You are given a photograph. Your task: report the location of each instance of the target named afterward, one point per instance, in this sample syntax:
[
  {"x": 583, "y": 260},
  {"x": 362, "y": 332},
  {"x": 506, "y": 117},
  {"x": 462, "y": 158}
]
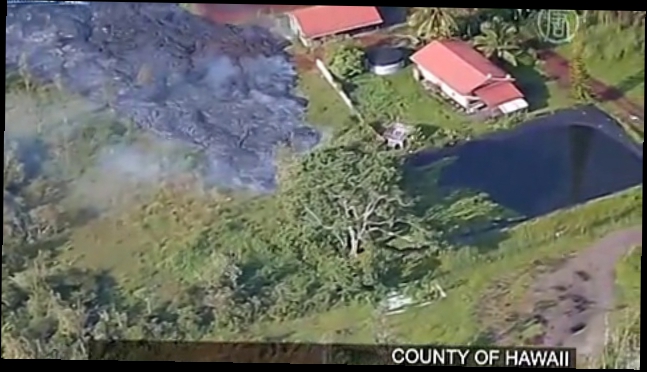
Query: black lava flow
[{"x": 225, "y": 89}]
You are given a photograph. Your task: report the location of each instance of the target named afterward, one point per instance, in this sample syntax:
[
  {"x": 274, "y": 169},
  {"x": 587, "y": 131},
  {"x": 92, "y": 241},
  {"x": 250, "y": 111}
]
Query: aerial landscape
[{"x": 322, "y": 174}]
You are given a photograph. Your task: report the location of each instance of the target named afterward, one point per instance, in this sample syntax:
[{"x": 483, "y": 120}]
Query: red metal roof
[
  {"x": 457, "y": 64},
  {"x": 319, "y": 21},
  {"x": 497, "y": 93}
]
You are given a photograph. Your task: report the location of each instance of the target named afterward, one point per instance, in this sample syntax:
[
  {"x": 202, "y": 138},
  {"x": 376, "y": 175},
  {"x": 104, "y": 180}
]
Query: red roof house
[
  {"x": 320, "y": 21},
  {"x": 466, "y": 76}
]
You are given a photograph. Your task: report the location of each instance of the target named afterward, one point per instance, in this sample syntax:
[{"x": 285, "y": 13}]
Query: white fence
[{"x": 335, "y": 85}]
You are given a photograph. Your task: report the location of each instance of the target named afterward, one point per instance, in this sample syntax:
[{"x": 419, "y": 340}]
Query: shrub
[{"x": 346, "y": 61}]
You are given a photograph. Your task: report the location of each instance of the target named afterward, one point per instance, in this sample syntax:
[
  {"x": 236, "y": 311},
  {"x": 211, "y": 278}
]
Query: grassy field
[
  {"x": 616, "y": 56},
  {"x": 327, "y": 111},
  {"x": 469, "y": 274},
  {"x": 634, "y": 131},
  {"x": 400, "y": 97},
  {"x": 622, "y": 349}
]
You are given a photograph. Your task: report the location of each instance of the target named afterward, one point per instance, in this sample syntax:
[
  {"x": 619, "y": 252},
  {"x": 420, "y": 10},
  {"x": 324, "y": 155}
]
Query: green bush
[{"x": 346, "y": 61}]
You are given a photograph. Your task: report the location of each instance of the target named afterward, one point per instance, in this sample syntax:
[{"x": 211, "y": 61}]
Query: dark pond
[{"x": 547, "y": 164}]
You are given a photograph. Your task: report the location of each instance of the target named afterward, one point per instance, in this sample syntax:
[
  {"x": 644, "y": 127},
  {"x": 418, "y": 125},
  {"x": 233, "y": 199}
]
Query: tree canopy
[
  {"x": 433, "y": 23},
  {"x": 500, "y": 40},
  {"x": 346, "y": 60},
  {"x": 353, "y": 197}
]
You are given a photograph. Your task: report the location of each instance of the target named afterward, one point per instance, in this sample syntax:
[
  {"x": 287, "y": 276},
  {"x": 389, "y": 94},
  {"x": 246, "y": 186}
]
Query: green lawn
[
  {"x": 454, "y": 320},
  {"x": 326, "y": 110},
  {"x": 542, "y": 94},
  {"x": 616, "y": 56},
  {"x": 399, "y": 96}
]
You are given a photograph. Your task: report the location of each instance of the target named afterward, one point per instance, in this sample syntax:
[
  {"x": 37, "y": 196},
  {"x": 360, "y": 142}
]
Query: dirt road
[
  {"x": 557, "y": 67},
  {"x": 572, "y": 302}
]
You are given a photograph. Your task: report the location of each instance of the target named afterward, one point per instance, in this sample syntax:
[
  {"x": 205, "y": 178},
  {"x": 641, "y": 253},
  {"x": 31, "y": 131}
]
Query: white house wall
[
  {"x": 296, "y": 29},
  {"x": 513, "y": 106},
  {"x": 429, "y": 76},
  {"x": 459, "y": 98}
]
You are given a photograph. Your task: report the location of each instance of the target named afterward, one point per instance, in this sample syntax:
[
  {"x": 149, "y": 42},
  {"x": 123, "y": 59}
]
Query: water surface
[{"x": 550, "y": 163}]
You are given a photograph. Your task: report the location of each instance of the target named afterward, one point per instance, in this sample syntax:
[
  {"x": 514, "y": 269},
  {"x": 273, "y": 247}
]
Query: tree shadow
[
  {"x": 348, "y": 86},
  {"x": 282, "y": 337},
  {"x": 17, "y": 257},
  {"x": 632, "y": 81},
  {"x": 613, "y": 93},
  {"x": 486, "y": 338},
  {"x": 95, "y": 289},
  {"x": 413, "y": 265},
  {"x": 392, "y": 15},
  {"x": 532, "y": 83},
  {"x": 479, "y": 223},
  {"x": 437, "y": 137}
]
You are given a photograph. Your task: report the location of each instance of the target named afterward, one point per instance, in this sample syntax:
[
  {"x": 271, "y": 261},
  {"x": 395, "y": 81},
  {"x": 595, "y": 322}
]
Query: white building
[{"x": 468, "y": 78}]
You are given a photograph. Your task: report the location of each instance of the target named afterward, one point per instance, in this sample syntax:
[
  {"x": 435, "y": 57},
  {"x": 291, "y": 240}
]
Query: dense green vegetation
[
  {"x": 615, "y": 54},
  {"x": 346, "y": 61}
]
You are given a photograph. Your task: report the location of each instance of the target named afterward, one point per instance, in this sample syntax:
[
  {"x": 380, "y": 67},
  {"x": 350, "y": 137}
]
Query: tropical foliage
[
  {"x": 499, "y": 40},
  {"x": 579, "y": 74},
  {"x": 433, "y": 23},
  {"x": 346, "y": 60}
]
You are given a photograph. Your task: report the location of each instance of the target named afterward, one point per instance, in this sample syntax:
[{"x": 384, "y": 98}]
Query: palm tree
[
  {"x": 499, "y": 40},
  {"x": 433, "y": 23}
]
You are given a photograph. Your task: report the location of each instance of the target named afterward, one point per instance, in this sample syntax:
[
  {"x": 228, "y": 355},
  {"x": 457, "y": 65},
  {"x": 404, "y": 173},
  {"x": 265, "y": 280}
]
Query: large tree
[
  {"x": 433, "y": 23},
  {"x": 499, "y": 40},
  {"x": 352, "y": 197}
]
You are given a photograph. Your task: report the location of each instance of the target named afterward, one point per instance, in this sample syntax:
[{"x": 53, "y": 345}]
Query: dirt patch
[
  {"x": 305, "y": 60},
  {"x": 571, "y": 302},
  {"x": 567, "y": 304}
]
